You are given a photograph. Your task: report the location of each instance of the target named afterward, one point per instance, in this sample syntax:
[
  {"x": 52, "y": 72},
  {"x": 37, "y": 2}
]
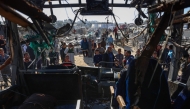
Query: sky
[{"x": 124, "y": 14}]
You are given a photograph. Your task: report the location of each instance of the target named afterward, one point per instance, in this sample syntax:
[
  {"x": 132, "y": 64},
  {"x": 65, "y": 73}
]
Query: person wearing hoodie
[
  {"x": 84, "y": 46},
  {"x": 110, "y": 40}
]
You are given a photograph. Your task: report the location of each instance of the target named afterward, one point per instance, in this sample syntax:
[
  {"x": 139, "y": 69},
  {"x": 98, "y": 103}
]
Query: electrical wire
[{"x": 74, "y": 11}]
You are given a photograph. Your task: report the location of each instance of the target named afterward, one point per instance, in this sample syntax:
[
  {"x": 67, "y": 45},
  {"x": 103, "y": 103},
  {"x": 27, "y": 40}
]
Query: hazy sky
[{"x": 125, "y": 14}]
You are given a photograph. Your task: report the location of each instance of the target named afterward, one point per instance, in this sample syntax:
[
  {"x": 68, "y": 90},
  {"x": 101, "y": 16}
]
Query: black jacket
[{"x": 105, "y": 58}]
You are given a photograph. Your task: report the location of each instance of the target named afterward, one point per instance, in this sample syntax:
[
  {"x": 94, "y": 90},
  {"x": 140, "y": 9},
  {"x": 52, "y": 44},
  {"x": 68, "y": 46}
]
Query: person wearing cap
[{"x": 70, "y": 51}]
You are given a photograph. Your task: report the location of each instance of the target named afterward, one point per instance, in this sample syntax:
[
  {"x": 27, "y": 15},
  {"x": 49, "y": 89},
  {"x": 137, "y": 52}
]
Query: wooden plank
[
  {"x": 25, "y": 7},
  {"x": 182, "y": 20},
  {"x": 121, "y": 102},
  {"x": 152, "y": 43},
  {"x": 176, "y": 5},
  {"x": 143, "y": 61},
  {"x": 13, "y": 16}
]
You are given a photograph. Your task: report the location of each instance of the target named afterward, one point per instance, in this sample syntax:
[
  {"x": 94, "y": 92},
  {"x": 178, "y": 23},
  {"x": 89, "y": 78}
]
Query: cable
[
  {"x": 74, "y": 11},
  {"x": 72, "y": 23}
]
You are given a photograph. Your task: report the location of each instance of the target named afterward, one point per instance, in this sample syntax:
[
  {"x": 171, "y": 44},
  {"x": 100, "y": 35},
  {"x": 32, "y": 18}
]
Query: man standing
[
  {"x": 108, "y": 57},
  {"x": 115, "y": 32},
  {"x": 103, "y": 43},
  {"x": 110, "y": 40},
  {"x": 119, "y": 56},
  {"x": 63, "y": 47},
  {"x": 30, "y": 51},
  {"x": 164, "y": 54},
  {"x": 138, "y": 53},
  {"x": 5, "y": 71},
  {"x": 85, "y": 47},
  {"x": 101, "y": 49},
  {"x": 129, "y": 58},
  {"x": 27, "y": 61}
]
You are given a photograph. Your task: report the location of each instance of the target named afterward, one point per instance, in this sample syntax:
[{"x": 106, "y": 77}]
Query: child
[
  {"x": 97, "y": 58},
  {"x": 66, "y": 61}
]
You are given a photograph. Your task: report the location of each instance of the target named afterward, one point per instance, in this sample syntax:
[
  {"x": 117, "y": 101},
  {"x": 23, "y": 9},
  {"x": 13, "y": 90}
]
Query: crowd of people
[
  {"x": 101, "y": 52},
  {"x": 102, "y": 55}
]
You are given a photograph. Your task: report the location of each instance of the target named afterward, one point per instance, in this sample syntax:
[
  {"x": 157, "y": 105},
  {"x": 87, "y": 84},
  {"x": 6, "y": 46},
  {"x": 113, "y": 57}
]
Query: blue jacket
[
  {"x": 110, "y": 40},
  {"x": 156, "y": 96},
  {"x": 97, "y": 58},
  {"x": 129, "y": 59},
  {"x": 84, "y": 45},
  {"x": 171, "y": 54},
  {"x": 106, "y": 58}
]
